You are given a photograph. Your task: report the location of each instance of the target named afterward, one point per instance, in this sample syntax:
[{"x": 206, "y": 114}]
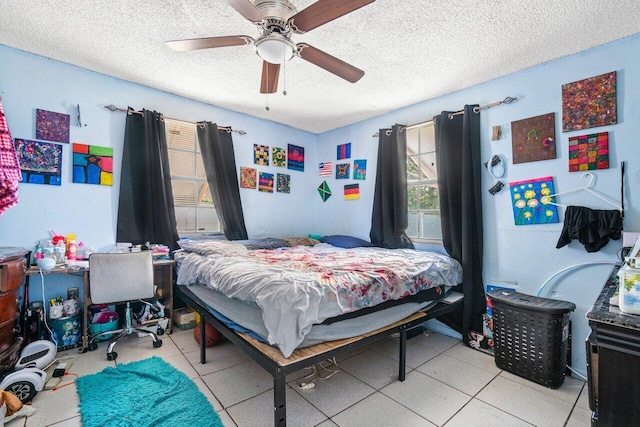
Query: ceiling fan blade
[
  {"x": 247, "y": 9},
  {"x": 329, "y": 63},
  {"x": 270, "y": 74},
  {"x": 323, "y": 11},
  {"x": 208, "y": 42}
]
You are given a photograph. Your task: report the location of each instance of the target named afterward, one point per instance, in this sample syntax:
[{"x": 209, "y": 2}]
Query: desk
[{"x": 162, "y": 276}]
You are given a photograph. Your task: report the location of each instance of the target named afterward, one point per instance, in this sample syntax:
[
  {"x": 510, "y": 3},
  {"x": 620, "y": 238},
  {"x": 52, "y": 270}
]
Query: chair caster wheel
[
  {"x": 90, "y": 347},
  {"x": 160, "y": 331},
  {"x": 157, "y": 344},
  {"x": 112, "y": 355}
]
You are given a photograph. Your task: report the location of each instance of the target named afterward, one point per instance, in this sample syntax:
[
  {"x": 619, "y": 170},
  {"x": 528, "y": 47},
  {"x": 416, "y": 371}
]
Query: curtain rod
[
  {"x": 507, "y": 100},
  {"x": 226, "y": 128}
]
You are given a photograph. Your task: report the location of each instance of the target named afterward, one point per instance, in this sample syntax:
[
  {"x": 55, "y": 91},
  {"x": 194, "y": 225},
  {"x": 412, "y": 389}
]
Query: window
[
  {"x": 422, "y": 186},
  {"x": 195, "y": 211}
]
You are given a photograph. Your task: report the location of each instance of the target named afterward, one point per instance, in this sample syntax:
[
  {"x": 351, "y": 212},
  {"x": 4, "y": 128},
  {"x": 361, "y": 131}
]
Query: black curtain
[
  {"x": 219, "y": 160},
  {"x": 389, "y": 219},
  {"x": 145, "y": 209},
  {"x": 459, "y": 167}
]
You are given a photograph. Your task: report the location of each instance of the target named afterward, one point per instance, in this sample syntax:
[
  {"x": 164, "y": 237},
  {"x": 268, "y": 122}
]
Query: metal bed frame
[{"x": 272, "y": 360}]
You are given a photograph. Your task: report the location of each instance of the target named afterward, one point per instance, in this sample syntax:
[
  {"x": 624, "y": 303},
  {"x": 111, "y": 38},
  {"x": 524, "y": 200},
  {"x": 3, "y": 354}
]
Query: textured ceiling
[{"x": 410, "y": 50}]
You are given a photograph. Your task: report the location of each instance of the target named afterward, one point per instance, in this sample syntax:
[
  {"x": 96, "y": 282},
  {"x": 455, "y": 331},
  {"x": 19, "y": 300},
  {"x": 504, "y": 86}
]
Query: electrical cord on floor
[
  {"x": 307, "y": 382},
  {"x": 44, "y": 312},
  {"x": 66, "y": 384},
  {"x": 578, "y": 374}
]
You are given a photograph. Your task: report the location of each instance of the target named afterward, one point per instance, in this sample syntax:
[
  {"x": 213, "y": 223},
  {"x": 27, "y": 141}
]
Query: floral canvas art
[
  {"x": 531, "y": 201},
  {"x": 279, "y": 157}
]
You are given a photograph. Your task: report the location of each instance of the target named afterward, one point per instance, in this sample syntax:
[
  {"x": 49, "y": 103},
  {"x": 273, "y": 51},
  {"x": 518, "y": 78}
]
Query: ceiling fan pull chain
[{"x": 284, "y": 78}]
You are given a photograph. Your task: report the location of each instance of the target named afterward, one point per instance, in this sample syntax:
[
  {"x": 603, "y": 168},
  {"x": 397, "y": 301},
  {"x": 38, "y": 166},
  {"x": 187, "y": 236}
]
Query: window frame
[
  {"x": 421, "y": 181},
  {"x": 194, "y": 209}
]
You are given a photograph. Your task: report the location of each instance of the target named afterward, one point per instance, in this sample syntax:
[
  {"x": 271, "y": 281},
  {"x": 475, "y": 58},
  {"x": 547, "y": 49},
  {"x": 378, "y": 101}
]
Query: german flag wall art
[{"x": 352, "y": 192}]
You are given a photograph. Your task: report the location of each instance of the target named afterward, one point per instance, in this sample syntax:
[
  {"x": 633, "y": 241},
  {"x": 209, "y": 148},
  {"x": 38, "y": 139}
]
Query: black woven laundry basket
[{"x": 530, "y": 336}]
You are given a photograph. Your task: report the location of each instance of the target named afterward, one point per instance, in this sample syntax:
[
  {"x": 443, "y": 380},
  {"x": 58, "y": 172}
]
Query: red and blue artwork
[
  {"x": 295, "y": 158},
  {"x": 40, "y": 162},
  {"x": 265, "y": 182},
  {"x": 532, "y": 201},
  {"x": 92, "y": 164},
  {"x": 344, "y": 151},
  {"x": 589, "y": 103},
  {"x": 343, "y": 170},
  {"x": 589, "y": 152},
  {"x": 52, "y": 126}
]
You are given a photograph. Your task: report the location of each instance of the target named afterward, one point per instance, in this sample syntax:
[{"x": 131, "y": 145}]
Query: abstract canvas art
[
  {"x": 295, "y": 158},
  {"x": 360, "y": 169},
  {"x": 534, "y": 139},
  {"x": 531, "y": 202},
  {"x": 589, "y": 103},
  {"x": 248, "y": 177},
  {"x": 265, "y": 184},
  {"x": 324, "y": 191},
  {"x": 40, "y": 162},
  {"x": 352, "y": 192},
  {"x": 344, "y": 151},
  {"x": 52, "y": 126},
  {"x": 343, "y": 170},
  {"x": 261, "y": 155},
  {"x": 279, "y": 157},
  {"x": 283, "y": 183},
  {"x": 589, "y": 152},
  {"x": 325, "y": 169},
  {"x": 92, "y": 164}
]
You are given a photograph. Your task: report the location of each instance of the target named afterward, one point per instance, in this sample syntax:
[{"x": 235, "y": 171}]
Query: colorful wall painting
[
  {"x": 92, "y": 164},
  {"x": 40, "y": 162},
  {"x": 589, "y": 103},
  {"x": 52, "y": 126},
  {"x": 324, "y": 191},
  {"x": 265, "y": 184},
  {"x": 283, "y": 183},
  {"x": 295, "y": 158},
  {"x": 248, "y": 177},
  {"x": 261, "y": 155},
  {"x": 360, "y": 169},
  {"x": 531, "y": 202},
  {"x": 352, "y": 192},
  {"x": 589, "y": 152},
  {"x": 325, "y": 169},
  {"x": 344, "y": 151},
  {"x": 279, "y": 157},
  {"x": 534, "y": 139},
  {"x": 343, "y": 170}
]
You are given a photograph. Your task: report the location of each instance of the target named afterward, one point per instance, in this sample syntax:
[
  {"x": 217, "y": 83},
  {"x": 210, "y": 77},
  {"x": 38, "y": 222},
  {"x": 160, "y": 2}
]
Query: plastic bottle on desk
[
  {"x": 47, "y": 250},
  {"x": 37, "y": 254},
  {"x": 71, "y": 250},
  {"x": 80, "y": 252},
  {"x": 59, "y": 251}
]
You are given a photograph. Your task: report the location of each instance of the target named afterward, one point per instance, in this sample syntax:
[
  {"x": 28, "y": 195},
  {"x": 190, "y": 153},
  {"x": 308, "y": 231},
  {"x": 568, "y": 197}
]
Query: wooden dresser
[{"x": 12, "y": 268}]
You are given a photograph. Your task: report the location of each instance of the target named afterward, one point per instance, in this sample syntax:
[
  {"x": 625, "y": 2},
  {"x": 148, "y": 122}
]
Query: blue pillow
[{"x": 347, "y": 242}]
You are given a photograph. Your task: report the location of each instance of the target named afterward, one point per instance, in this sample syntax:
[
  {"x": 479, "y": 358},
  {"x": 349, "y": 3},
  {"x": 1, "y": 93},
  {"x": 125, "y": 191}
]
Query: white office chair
[{"x": 116, "y": 278}]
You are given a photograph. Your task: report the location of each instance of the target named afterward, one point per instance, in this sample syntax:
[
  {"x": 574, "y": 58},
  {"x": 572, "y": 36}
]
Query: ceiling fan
[{"x": 277, "y": 20}]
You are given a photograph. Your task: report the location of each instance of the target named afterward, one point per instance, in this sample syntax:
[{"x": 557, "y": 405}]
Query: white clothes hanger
[{"x": 587, "y": 188}]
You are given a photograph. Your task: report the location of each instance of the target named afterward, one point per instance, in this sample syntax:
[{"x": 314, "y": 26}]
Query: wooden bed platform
[{"x": 272, "y": 360}]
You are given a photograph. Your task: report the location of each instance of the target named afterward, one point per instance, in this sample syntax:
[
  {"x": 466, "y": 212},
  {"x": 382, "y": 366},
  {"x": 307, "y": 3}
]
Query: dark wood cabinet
[
  {"x": 613, "y": 361},
  {"x": 12, "y": 265}
]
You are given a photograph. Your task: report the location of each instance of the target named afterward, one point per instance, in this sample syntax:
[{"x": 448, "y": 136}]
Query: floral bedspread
[{"x": 297, "y": 287}]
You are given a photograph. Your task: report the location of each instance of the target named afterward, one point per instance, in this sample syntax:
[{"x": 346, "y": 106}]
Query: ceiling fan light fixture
[{"x": 275, "y": 48}]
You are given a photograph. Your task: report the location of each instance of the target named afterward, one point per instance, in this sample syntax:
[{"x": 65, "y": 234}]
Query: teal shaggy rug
[{"x": 149, "y": 392}]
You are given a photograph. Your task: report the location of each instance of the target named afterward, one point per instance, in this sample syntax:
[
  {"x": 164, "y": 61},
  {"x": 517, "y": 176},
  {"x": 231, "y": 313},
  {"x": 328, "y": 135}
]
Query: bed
[{"x": 290, "y": 305}]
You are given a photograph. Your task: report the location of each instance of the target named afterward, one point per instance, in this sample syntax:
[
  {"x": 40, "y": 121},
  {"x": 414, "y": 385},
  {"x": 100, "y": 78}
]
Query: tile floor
[{"x": 447, "y": 384}]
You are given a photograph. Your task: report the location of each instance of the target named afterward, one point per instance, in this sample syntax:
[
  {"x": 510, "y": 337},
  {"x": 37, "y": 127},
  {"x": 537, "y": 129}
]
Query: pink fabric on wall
[{"x": 10, "y": 174}]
